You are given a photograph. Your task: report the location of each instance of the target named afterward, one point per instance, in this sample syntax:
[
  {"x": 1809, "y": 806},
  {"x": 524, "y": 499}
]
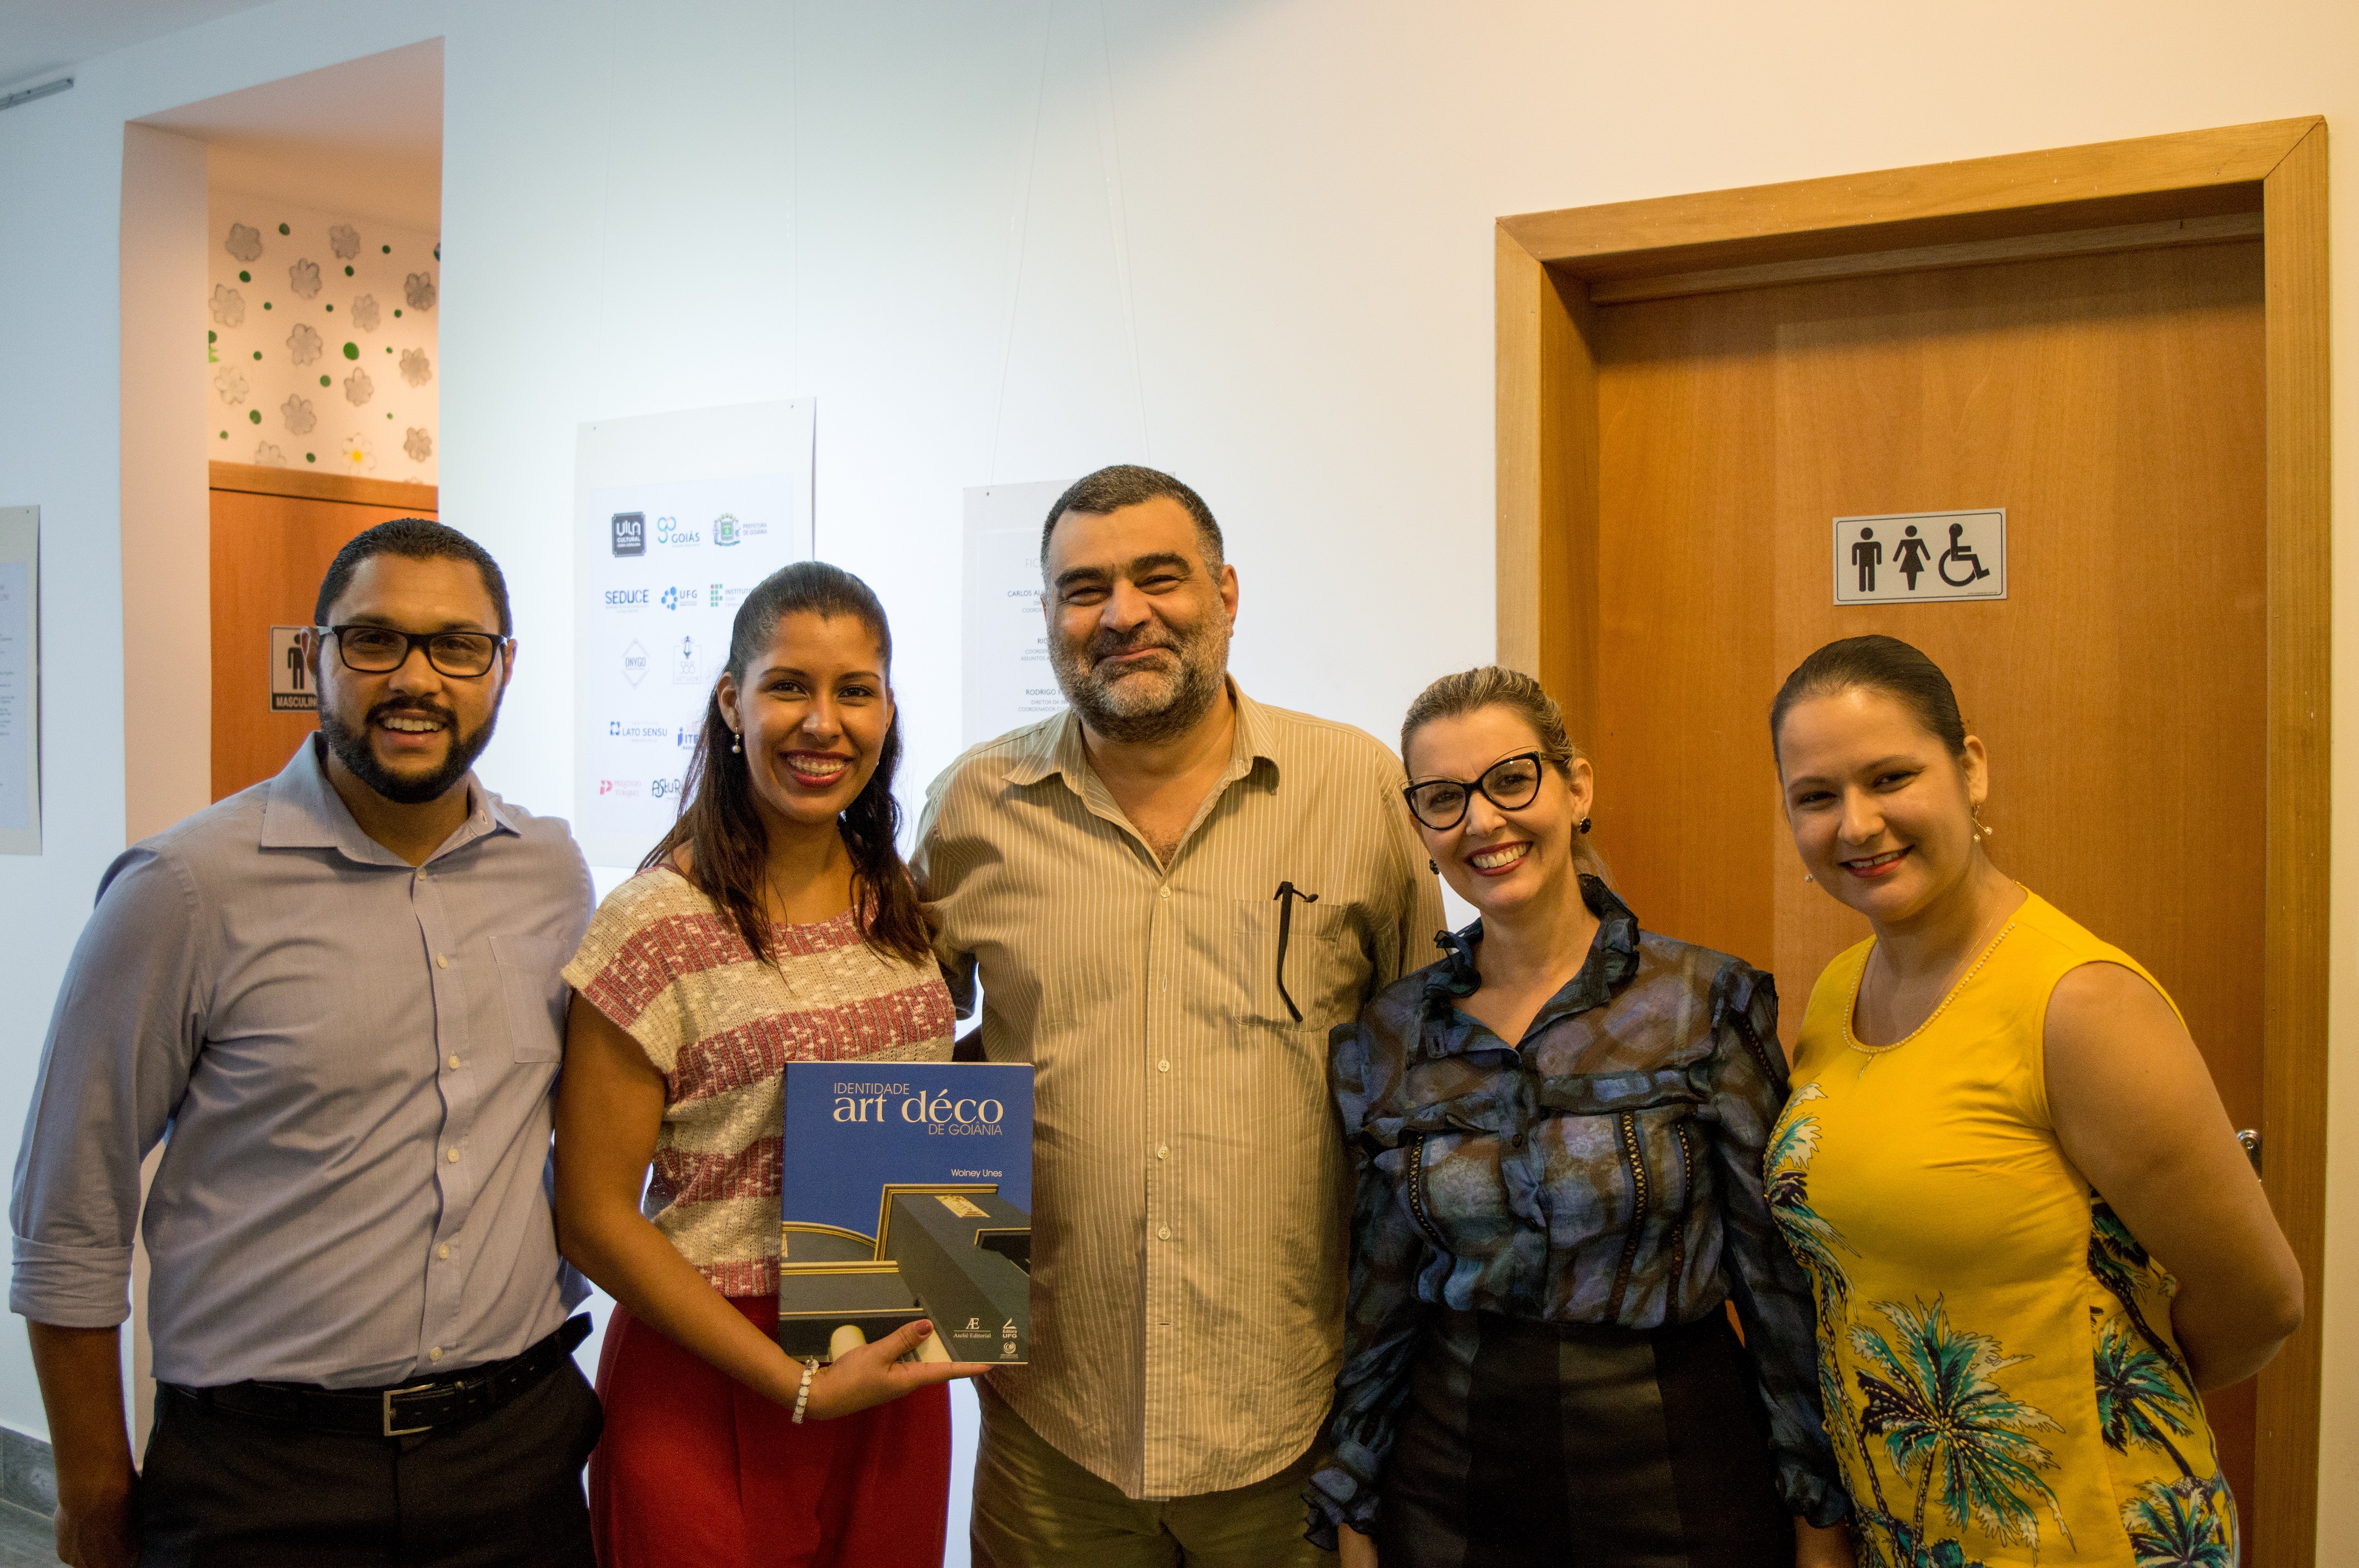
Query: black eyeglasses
[
  {"x": 379, "y": 650},
  {"x": 1511, "y": 784}
]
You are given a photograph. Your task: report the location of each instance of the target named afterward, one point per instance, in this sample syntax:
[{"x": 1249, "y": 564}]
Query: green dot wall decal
[
  {"x": 348, "y": 272},
  {"x": 351, "y": 351},
  {"x": 397, "y": 310},
  {"x": 282, "y": 228},
  {"x": 224, "y": 435},
  {"x": 258, "y": 354},
  {"x": 388, "y": 249},
  {"x": 323, "y": 381},
  {"x": 331, "y": 307},
  {"x": 388, "y": 413},
  {"x": 266, "y": 304},
  {"x": 309, "y": 458},
  {"x": 246, "y": 278},
  {"x": 254, "y": 416}
]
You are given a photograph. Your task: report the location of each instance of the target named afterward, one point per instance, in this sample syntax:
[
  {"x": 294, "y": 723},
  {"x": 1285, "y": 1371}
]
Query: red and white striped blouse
[{"x": 670, "y": 969}]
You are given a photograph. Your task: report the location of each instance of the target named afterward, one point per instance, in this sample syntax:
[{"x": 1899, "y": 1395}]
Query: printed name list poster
[
  {"x": 1009, "y": 681},
  {"x": 678, "y": 516}
]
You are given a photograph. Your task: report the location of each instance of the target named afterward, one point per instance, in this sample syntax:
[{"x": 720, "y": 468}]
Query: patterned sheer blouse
[{"x": 1606, "y": 1171}]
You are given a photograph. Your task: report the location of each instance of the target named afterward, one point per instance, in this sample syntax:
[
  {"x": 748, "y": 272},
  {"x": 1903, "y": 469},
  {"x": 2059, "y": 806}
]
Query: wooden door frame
[
  {"x": 2198, "y": 187},
  {"x": 309, "y": 484}
]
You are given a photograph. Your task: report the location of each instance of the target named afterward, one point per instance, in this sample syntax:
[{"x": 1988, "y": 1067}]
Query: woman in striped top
[{"x": 775, "y": 922}]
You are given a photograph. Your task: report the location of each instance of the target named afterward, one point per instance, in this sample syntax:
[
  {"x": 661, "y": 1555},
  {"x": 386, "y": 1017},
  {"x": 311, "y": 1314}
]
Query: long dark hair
[{"x": 720, "y": 827}]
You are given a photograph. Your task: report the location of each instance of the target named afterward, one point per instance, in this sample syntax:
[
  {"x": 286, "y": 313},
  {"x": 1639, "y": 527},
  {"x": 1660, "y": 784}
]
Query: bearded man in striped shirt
[{"x": 1168, "y": 894}]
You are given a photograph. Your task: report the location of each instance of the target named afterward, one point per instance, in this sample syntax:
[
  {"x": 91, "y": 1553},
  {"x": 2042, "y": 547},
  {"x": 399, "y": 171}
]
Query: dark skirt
[{"x": 1528, "y": 1443}]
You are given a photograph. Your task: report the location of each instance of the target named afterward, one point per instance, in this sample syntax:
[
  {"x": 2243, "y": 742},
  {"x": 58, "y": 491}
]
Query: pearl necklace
[{"x": 1852, "y": 1007}]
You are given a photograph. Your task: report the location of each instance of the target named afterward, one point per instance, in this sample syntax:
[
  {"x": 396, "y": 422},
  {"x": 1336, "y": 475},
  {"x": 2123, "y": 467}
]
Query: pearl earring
[
  {"x": 736, "y": 743},
  {"x": 1808, "y": 878}
]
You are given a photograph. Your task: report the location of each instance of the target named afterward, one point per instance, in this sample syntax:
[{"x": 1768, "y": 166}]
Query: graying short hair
[{"x": 1127, "y": 484}]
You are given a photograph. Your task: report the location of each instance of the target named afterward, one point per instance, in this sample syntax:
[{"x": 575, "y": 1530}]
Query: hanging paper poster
[
  {"x": 678, "y": 516},
  {"x": 1009, "y": 681}
]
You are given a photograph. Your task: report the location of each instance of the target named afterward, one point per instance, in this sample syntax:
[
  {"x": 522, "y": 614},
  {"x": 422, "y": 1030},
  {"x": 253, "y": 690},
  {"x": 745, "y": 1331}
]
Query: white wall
[{"x": 1248, "y": 240}]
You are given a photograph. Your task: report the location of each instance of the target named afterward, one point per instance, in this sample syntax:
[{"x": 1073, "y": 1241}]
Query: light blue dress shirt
[{"x": 353, "y": 1063}]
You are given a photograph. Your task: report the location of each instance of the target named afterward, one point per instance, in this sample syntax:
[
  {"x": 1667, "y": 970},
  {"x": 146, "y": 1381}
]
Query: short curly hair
[{"x": 412, "y": 538}]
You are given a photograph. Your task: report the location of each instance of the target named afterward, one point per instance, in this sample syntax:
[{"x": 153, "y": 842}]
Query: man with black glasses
[{"x": 338, "y": 991}]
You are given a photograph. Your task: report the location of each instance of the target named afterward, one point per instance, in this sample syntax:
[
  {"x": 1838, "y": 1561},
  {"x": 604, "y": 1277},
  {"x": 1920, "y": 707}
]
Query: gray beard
[{"x": 1143, "y": 718}]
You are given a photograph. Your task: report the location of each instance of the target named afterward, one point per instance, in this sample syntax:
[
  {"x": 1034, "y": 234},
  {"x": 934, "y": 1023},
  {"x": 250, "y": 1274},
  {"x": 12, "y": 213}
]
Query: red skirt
[{"x": 695, "y": 1467}]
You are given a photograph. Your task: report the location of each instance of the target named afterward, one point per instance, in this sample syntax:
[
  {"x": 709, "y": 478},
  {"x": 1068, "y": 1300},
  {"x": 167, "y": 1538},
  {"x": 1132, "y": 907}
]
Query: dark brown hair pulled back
[
  {"x": 1875, "y": 663},
  {"x": 719, "y": 825},
  {"x": 1496, "y": 686}
]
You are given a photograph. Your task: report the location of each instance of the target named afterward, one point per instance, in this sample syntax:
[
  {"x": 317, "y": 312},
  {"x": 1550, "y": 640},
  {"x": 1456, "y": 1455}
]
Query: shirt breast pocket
[
  {"x": 532, "y": 994},
  {"x": 1310, "y": 957}
]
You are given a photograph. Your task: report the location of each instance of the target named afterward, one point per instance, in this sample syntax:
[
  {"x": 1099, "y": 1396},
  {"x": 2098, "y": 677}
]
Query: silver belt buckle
[{"x": 393, "y": 1431}]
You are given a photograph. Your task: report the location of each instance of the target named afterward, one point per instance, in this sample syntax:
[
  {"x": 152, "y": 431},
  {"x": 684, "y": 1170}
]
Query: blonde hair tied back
[{"x": 1496, "y": 686}]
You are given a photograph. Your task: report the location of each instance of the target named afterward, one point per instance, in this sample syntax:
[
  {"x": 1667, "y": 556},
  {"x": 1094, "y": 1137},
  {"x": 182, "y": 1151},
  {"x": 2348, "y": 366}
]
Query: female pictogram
[{"x": 1909, "y": 555}]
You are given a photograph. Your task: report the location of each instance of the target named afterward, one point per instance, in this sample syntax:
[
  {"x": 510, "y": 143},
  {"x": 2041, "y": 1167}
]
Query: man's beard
[
  {"x": 1146, "y": 706},
  {"x": 352, "y": 750}
]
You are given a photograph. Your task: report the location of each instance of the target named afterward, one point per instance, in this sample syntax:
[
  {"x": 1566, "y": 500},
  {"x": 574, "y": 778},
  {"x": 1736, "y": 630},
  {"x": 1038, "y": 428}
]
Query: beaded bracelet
[{"x": 802, "y": 1394}]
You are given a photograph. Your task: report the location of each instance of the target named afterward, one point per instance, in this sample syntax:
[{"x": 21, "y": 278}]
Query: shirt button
[
  {"x": 435, "y": 1353},
  {"x": 1163, "y": 1066},
  {"x": 454, "y": 1063},
  {"x": 1163, "y": 892},
  {"x": 443, "y": 1252},
  {"x": 1164, "y": 1235},
  {"x": 1163, "y": 1152},
  {"x": 442, "y": 960},
  {"x": 455, "y": 1157}
]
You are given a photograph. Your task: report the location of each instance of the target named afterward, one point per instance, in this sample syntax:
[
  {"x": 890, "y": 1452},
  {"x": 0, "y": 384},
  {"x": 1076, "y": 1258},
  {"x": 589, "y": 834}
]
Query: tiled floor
[{"x": 24, "y": 1540}]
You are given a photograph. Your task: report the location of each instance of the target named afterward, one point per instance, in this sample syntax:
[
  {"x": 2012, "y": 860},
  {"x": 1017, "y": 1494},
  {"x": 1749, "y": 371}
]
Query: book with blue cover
[{"x": 905, "y": 1192}]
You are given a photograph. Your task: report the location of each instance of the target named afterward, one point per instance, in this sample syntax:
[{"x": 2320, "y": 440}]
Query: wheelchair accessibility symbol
[{"x": 1920, "y": 556}]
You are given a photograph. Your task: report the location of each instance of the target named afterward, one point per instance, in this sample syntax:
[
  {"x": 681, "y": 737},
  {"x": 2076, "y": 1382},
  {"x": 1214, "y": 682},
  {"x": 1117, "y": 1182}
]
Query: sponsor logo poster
[{"x": 681, "y": 516}]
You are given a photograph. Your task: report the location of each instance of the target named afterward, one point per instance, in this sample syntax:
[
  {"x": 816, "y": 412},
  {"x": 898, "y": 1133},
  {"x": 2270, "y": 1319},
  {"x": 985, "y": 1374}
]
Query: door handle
[{"x": 2251, "y": 1139}]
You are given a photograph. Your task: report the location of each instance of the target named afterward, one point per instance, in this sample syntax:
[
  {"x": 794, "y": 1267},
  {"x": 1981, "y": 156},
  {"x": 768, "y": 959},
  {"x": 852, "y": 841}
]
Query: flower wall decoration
[{"x": 352, "y": 289}]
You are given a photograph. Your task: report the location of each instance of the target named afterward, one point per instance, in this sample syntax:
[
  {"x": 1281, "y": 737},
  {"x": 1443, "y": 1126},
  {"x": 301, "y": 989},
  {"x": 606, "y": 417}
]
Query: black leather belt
[{"x": 397, "y": 1412}]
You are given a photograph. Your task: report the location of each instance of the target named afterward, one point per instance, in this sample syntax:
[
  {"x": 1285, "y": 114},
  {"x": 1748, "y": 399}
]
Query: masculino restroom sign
[{"x": 1908, "y": 555}]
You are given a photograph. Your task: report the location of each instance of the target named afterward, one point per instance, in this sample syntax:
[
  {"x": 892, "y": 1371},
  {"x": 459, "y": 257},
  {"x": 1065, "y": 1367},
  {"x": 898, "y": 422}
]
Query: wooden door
[
  {"x": 2113, "y": 405},
  {"x": 274, "y": 531}
]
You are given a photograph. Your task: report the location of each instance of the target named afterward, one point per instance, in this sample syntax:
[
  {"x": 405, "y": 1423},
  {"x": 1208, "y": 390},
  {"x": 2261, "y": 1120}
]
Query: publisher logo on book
[{"x": 630, "y": 533}]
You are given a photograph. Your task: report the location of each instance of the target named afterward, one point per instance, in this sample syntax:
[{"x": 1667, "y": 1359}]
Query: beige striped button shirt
[{"x": 1190, "y": 1191}]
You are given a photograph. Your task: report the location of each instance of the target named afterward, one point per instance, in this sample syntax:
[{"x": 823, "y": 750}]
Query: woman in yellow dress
[{"x": 2032, "y": 1233}]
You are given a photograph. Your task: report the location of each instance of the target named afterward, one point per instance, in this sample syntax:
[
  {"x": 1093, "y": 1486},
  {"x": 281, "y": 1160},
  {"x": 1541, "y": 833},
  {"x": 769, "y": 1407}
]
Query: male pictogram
[
  {"x": 294, "y": 667},
  {"x": 1866, "y": 555}
]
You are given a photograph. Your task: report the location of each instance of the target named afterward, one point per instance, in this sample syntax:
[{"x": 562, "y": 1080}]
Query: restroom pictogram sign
[
  {"x": 1920, "y": 556},
  {"x": 290, "y": 672}
]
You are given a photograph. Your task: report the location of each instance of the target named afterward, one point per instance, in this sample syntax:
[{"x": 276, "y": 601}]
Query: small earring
[
  {"x": 736, "y": 743},
  {"x": 1808, "y": 878},
  {"x": 1434, "y": 867},
  {"x": 1584, "y": 824}
]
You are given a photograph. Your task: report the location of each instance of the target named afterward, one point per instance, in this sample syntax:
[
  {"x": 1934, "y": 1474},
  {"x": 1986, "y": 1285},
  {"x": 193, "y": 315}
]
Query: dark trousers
[{"x": 502, "y": 1491}]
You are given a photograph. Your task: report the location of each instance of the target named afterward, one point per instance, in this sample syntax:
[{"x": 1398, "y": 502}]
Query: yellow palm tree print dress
[{"x": 1996, "y": 1357}]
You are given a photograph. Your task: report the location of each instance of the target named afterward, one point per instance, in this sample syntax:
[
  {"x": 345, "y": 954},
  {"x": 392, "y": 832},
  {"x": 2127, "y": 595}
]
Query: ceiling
[
  {"x": 364, "y": 138},
  {"x": 40, "y": 38}
]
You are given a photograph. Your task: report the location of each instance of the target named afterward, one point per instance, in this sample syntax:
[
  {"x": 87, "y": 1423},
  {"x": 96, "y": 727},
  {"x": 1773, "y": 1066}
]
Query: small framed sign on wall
[{"x": 20, "y": 681}]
